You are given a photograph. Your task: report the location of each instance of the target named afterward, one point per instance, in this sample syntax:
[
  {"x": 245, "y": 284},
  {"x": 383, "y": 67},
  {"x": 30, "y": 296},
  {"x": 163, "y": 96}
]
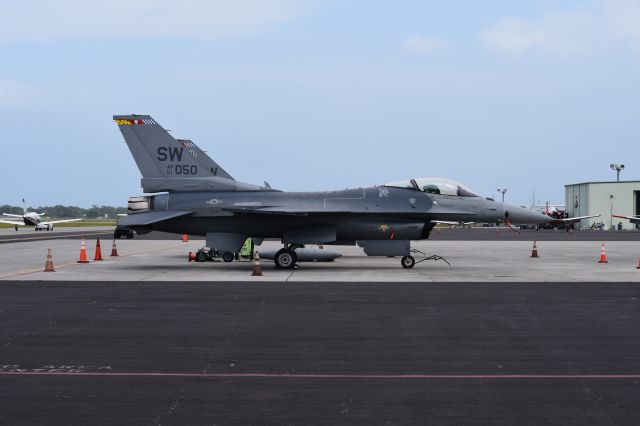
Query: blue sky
[{"x": 315, "y": 95}]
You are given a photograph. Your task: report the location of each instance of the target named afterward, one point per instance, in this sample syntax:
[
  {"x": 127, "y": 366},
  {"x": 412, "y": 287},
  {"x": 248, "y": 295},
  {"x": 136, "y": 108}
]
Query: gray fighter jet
[{"x": 197, "y": 196}]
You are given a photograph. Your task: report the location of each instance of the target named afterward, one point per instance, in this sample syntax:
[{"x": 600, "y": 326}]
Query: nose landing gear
[{"x": 408, "y": 262}]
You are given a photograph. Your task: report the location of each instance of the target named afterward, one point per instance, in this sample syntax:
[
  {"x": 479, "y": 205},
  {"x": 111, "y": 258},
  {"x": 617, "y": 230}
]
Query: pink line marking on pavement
[{"x": 329, "y": 376}]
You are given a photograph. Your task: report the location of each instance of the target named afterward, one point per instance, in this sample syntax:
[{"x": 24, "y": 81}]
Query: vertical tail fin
[{"x": 160, "y": 155}]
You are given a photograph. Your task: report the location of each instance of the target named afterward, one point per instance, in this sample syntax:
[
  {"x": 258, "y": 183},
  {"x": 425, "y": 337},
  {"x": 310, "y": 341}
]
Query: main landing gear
[{"x": 286, "y": 258}]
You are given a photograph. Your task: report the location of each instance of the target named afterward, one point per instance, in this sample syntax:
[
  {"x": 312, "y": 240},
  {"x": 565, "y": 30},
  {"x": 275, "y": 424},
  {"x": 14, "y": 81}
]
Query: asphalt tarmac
[
  {"x": 319, "y": 353},
  {"x": 444, "y": 234},
  {"x": 30, "y": 235}
]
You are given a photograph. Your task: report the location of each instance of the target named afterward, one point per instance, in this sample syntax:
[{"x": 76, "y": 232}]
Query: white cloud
[
  {"x": 623, "y": 19},
  {"x": 582, "y": 31},
  {"x": 423, "y": 44},
  {"x": 514, "y": 36},
  {"x": 45, "y": 20},
  {"x": 14, "y": 94}
]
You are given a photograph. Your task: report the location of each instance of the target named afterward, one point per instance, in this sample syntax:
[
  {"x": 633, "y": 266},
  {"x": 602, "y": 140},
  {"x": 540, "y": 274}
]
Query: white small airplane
[
  {"x": 33, "y": 219},
  {"x": 633, "y": 219}
]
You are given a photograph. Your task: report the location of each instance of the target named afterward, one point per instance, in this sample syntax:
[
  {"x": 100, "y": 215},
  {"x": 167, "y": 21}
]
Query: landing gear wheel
[
  {"x": 285, "y": 259},
  {"x": 408, "y": 262},
  {"x": 227, "y": 256}
]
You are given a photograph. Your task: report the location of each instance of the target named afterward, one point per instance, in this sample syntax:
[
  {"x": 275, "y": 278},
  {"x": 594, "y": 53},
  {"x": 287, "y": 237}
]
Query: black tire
[
  {"x": 130, "y": 235},
  {"x": 227, "y": 256},
  {"x": 408, "y": 262},
  {"x": 201, "y": 256},
  {"x": 285, "y": 259}
]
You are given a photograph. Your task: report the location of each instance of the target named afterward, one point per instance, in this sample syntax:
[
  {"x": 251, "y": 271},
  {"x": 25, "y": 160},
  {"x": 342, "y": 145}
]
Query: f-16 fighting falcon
[{"x": 194, "y": 195}]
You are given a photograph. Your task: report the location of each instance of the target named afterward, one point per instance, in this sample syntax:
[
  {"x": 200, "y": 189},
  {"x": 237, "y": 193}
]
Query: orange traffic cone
[
  {"x": 534, "y": 252},
  {"x": 603, "y": 255},
  {"x": 98, "y": 255},
  {"x": 114, "y": 250},
  {"x": 257, "y": 268},
  {"x": 83, "y": 252},
  {"x": 185, "y": 238},
  {"x": 48, "y": 266}
]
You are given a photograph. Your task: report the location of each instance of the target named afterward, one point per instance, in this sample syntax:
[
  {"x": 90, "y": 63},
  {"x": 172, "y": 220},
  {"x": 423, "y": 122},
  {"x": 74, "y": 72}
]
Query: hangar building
[{"x": 604, "y": 198}]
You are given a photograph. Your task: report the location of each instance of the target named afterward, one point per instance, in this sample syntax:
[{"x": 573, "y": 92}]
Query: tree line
[{"x": 66, "y": 212}]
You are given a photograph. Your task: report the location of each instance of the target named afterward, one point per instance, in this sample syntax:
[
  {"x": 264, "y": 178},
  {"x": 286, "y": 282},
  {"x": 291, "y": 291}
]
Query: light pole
[
  {"x": 617, "y": 168},
  {"x": 502, "y": 191},
  {"x": 611, "y": 213}
]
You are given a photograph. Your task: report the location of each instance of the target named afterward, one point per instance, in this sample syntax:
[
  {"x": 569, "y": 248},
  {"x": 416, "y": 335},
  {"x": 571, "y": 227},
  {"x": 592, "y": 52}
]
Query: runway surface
[
  {"x": 29, "y": 235},
  {"x": 319, "y": 353}
]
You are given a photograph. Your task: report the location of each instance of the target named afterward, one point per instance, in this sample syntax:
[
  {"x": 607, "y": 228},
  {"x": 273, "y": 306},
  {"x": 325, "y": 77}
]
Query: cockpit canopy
[{"x": 435, "y": 186}]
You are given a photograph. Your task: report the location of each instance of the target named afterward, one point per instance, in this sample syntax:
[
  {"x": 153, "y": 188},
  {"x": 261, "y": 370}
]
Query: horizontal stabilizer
[{"x": 147, "y": 218}]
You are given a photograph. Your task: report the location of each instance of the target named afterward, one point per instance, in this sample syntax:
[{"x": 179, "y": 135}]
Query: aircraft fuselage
[{"x": 375, "y": 213}]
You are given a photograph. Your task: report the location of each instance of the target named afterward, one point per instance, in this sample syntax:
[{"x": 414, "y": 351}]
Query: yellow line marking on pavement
[{"x": 65, "y": 265}]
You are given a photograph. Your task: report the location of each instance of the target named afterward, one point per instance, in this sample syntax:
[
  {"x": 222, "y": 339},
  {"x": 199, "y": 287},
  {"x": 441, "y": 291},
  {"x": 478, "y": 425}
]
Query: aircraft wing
[
  {"x": 577, "y": 218},
  {"x": 12, "y": 215},
  {"x": 633, "y": 219},
  {"x": 448, "y": 222},
  {"x": 147, "y": 218},
  {"x": 12, "y": 222},
  {"x": 60, "y": 221}
]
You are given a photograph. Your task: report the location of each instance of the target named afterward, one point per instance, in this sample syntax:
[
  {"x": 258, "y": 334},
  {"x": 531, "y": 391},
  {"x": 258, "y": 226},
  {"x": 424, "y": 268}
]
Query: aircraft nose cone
[{"x": 520, "y": 215}]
